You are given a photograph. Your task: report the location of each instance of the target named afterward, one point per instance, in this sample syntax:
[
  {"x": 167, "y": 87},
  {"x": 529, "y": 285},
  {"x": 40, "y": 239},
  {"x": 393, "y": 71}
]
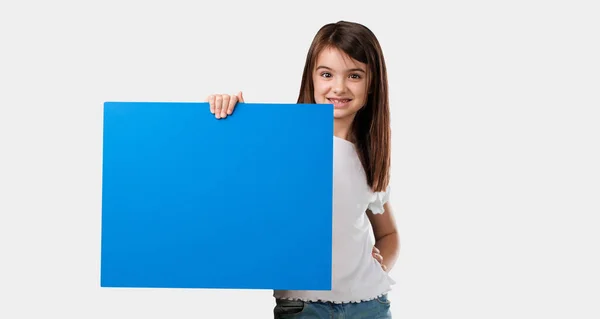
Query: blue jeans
[{"x": 373, "y": 309}]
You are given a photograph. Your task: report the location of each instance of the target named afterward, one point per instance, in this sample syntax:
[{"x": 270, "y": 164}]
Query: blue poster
[{"x": 191, "y": 201}]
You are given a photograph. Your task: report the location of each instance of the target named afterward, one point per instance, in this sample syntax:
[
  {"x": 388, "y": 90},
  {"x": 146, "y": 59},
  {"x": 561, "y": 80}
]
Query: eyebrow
[{"x": 350, "y": 70}]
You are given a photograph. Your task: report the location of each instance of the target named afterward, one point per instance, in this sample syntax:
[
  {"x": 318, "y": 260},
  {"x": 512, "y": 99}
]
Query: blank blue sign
[{"x": 191, "y": 201}]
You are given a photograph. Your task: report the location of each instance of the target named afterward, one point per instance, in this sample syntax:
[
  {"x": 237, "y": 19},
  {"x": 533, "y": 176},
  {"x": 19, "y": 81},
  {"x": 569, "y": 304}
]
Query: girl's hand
[
  {"x": 222, "y": 105},
  {"x": 376, "y": 254}
]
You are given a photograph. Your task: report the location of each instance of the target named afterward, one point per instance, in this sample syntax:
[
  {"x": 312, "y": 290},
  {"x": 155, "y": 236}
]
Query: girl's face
[{"x": 341, "y": 81}]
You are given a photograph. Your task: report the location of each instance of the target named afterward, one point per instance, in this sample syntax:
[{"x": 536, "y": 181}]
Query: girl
[{"x": 345, "y": 67}]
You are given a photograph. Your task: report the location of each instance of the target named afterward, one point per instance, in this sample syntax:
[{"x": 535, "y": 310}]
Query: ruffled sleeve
[{"x": 380, "y": 198}]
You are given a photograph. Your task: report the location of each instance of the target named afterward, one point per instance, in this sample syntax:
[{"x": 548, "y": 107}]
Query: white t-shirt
[{"x": 356, "y": 275}]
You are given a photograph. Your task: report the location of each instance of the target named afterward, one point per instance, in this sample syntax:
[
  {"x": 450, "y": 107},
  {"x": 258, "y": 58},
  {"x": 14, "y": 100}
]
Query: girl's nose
[{"x": 339, "y": 87}]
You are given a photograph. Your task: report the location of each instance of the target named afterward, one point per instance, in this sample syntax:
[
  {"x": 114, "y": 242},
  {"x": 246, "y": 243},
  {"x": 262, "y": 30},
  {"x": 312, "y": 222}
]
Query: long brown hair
[{"x": 371, "y": 126}]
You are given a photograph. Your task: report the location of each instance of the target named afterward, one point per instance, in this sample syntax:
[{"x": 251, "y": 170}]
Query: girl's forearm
[{"x": 389, "y": 247}]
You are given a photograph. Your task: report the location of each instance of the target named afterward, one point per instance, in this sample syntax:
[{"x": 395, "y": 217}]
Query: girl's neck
[{"x": 342, "y": 129}]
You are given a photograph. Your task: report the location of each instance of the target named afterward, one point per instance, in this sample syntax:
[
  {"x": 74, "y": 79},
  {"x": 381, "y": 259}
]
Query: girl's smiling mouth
[{"x": 339, "y": 103}]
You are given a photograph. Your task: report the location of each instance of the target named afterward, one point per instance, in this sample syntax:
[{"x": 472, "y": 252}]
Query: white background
[{"x": 495, "y": 112}]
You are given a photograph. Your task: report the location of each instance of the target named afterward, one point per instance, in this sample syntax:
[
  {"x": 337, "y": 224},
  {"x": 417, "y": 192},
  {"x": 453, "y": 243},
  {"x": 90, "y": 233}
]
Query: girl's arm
[{"x": 387, "y": 239}]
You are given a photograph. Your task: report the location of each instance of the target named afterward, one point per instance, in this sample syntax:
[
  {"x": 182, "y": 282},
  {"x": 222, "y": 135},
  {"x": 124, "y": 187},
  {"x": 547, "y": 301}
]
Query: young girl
[{"x": 345, "y": 67}]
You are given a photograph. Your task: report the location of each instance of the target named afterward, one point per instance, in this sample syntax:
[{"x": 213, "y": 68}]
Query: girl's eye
[
  {"x": 355, "y": 76},
  {"x": 326, "y": 74}
]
